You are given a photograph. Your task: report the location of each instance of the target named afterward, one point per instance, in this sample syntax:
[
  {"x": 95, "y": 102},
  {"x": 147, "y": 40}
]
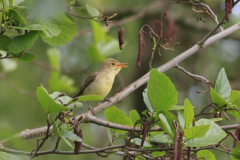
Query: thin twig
[
  {"x": 196, "y": 77},
  {"x": 7, "y": 56}
]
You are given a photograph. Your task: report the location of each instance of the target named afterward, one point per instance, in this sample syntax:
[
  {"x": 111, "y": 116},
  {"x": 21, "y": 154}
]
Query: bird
[{"x": 100, "y": 82}]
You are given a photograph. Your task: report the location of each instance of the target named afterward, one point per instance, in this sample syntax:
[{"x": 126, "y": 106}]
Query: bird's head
[{"x": 112, "y": 65}]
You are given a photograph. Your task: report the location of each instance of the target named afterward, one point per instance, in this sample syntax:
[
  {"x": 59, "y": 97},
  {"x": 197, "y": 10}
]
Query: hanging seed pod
[
  {"x": 143, "y": 40},
  {"x": 140, "y": 48},
  {"x": 175, "y": 149},
  {"x": 180, "y": 140},
  {"x": 227, "y": 9},
  {"x": 78, "y": 145},
  {"x": 120, "y": 37},
  {"x": 144, "y": 133}
]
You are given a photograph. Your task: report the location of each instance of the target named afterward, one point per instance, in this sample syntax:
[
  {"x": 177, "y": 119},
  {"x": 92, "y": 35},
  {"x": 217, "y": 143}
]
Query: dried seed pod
[
  {"x": 157, "y": 27},
  {"x": 120, "y": 37},
  {"x": 140, "y": 48},
  {"x": 227, "y": 9},
  {"x": 175, "y": 149},
  {"x": 180, "y": 140},
  {"x": 78, "y": 145},
  {"x": 143, "y": 40},
  {"x": 144, "y": 133}
]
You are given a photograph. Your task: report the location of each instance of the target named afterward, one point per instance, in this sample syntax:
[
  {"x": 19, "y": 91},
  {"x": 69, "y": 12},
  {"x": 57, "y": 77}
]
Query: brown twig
[
  {"x": 7, "y": 56},
  {"x": 196, "y": 77}
]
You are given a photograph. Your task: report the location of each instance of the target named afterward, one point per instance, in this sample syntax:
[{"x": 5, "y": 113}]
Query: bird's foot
[{"x": 106, "y": 99}]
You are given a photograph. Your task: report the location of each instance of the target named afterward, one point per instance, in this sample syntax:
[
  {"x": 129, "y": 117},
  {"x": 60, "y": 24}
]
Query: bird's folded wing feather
[{"x": 87, "y": 82}]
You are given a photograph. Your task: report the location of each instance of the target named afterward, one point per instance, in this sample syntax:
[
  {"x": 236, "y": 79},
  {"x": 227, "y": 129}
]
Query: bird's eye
[{"x": 113, "y": 63}]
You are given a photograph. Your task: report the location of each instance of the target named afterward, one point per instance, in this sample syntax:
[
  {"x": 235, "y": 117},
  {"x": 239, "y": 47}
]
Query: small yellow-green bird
[{"x": 101, "y": 81}]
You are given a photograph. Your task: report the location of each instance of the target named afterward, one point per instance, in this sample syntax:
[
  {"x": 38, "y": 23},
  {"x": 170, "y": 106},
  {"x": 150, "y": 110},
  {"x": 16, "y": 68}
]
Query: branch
[
  {"x": 28, "y": 134},
  {"x": 7, "y": 56}
]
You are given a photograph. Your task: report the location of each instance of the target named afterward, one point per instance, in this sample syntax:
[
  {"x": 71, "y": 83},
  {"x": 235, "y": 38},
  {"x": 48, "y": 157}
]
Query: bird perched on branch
[{"x": 101, "y": 81}]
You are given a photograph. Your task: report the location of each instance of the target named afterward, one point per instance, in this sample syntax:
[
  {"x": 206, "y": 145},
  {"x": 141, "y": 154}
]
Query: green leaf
[
  {"x": 51, "y": 27},
  {"x": 217, "y": 99},
  {"x": 70, "y": 135},
  {"x": 213, "y": 135},
  {"x": 27, "y": 57},
  {"x": 206, "y": 154},
  {"x": 26, "y": 4},
  {"x": 72, "y": 105},
  {"x": 235, "y": 98},
  {"x": 13, "y": 14},
  {"x": 7, "y": 156},
  {"x": 216, "y": 119},
  {"x": 146, "y": 101},
  {"x": 134, "y": 116},
  {"x": 109, "y": 133},
  {"x": 158, "y": 153},
  {"x": 138, "y": 142},
  {"x": 161, "y": 138},
  {"x": 90, "y": 98},
  {"x": 161, "y": 92},
  {"x": 4, "y": 41},
  {"x": 37, "y": 27},
  {"x": 222, "y": 86},
  {"x": 57, "y": 132},
  {"x": 181, "y": 118},
  {"x": 235, "y": 113},
  {"x": 113, "y": 114},
  {"x": 188, "y": 113},
  {"x": 20, "y": 43},
  {"x": 235, "y": 153},
  {"x": 196, "y": 132},
  {"x": 166, "y": 123},
  {"x": 68, "y": 31},
  {"x": 47, "y": 103},
  {"x": 92, "y": 11}
]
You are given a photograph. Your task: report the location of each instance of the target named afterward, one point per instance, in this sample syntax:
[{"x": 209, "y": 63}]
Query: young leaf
[
  {"x": 166, "y": 123},
  {"x": 196, "y": 132},
  {"x": 68, "y": 31},
  {"x": 134, "y": 116},
  {"x": 15, "y": 16},
  {"x": 57, "y": 132},
  {"x": 90, "y": 98},
  {"x": 109, "y": 133},
  {"x": 188, "y": 113},
  {"x": 27, "y": 57},
  {"x": 161, "y": 92},
  {"x": 235, "y": 98},
  {"x": 20, "y": 43},
  {"x": 138, "y": 142},
  {"x": 213, "y": 135},
  {"x": 70, "y": 135},
  {"x": 158, "y": 153},
  {"x": 217, "y": 99},
  {"x": 161, "y": 138},
  {"x": 206, "y": 154},
  {"x": 181, "y": 118},
  {"x": 113, "y": 114},
  {"x": 146, "y": 101},
  {"x": 47, "y": 103},
  {"x": 92, "y": 11},
  {"x": 4, "y": 41},
  {"x": 222, "y": 86},
  {"x": 37, "y": 27}
]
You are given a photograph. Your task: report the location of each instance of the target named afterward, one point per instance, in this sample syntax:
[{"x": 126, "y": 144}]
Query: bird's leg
[
  {"x": 106, "y": 99},
  {"x": 91, "y": 108}
]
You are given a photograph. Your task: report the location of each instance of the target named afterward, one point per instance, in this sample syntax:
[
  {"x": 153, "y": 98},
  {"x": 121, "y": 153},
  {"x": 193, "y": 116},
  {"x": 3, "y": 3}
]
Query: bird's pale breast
[{"x": 100, "y": 86}]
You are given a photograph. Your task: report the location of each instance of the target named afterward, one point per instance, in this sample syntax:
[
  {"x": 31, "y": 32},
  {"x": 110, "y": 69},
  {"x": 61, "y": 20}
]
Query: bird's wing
[{"x": 87, "y": 82}]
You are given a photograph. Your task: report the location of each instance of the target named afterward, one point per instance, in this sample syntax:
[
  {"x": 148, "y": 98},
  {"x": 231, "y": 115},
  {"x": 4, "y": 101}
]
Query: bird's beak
[{"x": 121, "y": 65}]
